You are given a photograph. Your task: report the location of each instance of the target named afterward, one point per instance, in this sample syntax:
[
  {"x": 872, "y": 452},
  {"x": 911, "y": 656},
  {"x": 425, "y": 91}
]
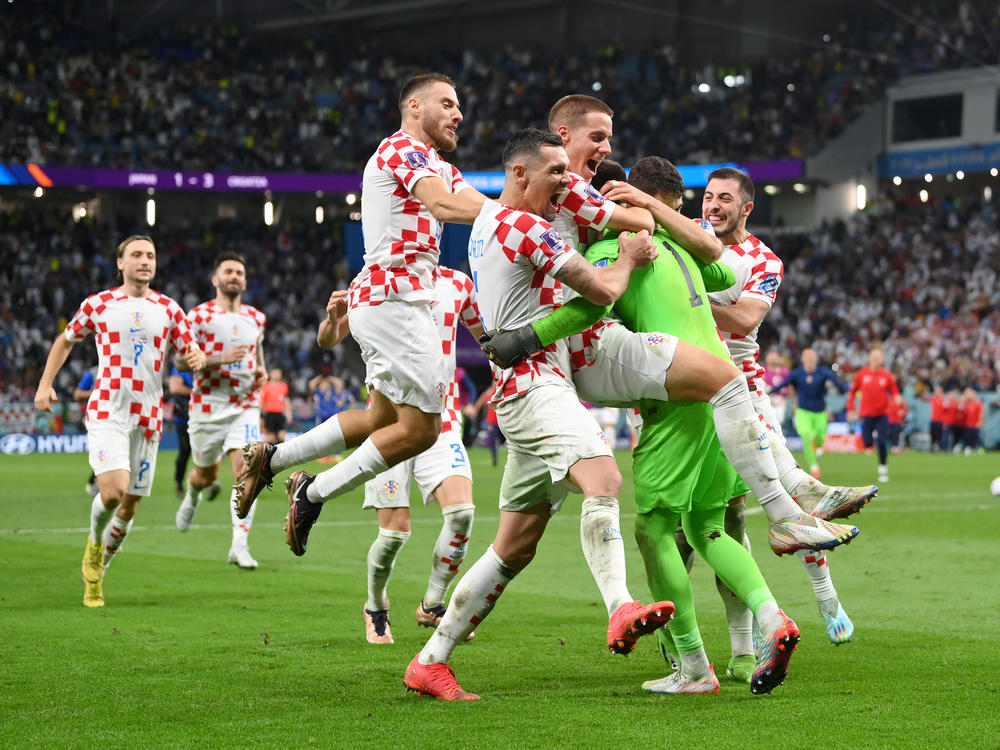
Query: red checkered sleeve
[
  {"x": 587, "y": 206},
  {"x": 83, "y": 324},
  {"x": 765, "y": 275},
  {"x": 406, "y": 159},
  {"x": 180, "y": 330}
]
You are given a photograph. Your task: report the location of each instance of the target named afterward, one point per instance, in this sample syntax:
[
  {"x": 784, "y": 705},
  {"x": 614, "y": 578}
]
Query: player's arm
[
  {"x": 335, "y": 326},
  {"x": 688, "y": 234},
  {"x": 183, "y": 362},
  {"x": 717, "y": 276},
  {"x": 459, "y": 208},
  {"x": 839, "y": 384},
  {"x": 46, "y": 394},
  {"x": 741, "y": 318},
  {"x": 603, "y": 286},
  {"x": 631, "y": 219},
  {"x": 260, "y": 369},
  {"x": 177, "y": 386},
  {"x": 790, "y": 380}
]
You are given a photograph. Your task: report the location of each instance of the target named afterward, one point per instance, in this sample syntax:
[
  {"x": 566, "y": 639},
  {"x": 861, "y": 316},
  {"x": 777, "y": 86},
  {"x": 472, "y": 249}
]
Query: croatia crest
[
  {"x": 441, "y": 391},
  {"x": 137, "y": 317},
  {"x": 102, "y": 457},
  {"x": 654, "y": 339},
  {"x": 603, "y": 438},
  {"x": 392, "y": 488}
]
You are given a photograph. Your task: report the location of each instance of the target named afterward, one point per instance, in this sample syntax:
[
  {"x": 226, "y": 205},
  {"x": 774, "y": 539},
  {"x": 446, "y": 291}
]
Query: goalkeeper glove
[{"x": 508, "y": 348}]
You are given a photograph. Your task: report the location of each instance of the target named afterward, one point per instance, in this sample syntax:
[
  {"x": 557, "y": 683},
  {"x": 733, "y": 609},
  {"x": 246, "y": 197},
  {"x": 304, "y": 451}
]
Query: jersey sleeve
[
  {"x": 82, "y": 324},
  {"x": 458, "y": 183},
  {"x": 542, "y": 245},
  {"x": 180, "y": 329},
  {"x": 407, "y": 161},
  {"x": 468, "y": 312},
  {"x": 764, "y": 280},
  {"x": 587, "y": 206},
  {"x": 603, "y": 253},
  {"x": 717, "y": 276}
]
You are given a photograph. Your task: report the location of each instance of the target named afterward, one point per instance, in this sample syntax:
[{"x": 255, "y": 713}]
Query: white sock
[
  {"x": 740, "y": 620},
  {"x": 695, "y": 664},
  {"x": 99, "y": 516},
  {"x": 767, "y": 616},
  {"x": 745, "y": 441},
  {"x": 791, "y": 475},
  {"x": 449, "y": 551},
  {"x": 114, "y": 537},
  {"x": 381, "y": 557},
  {"x": 818, "y": 569},
  {"x": 475, "y": 596},
  {"x": 321, "y": 440},
  {"x": 604, "y": 549},
  {"x": 241, "y": 526},
  {"x": 366, "y": 462}
]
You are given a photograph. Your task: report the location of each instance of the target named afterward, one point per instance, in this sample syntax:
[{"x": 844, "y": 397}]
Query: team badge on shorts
[
  {"x": 102, "y": 457},
  {"x": 441, "y": 391},
  {"x": 392, "y": 489},
  {"x": 602, "y": 437},
  {"x": 654, "y": 339}
]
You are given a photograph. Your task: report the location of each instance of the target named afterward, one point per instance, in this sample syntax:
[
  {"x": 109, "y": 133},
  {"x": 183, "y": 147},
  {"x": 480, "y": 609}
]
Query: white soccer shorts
[
  {"x": 446, "y": 458},
  {"x": 210, "y": 441},
  {"x": 547, "y": 430},
  {"x": 114, "y": 448},
  {"x": 627, "y": 367},
  {"x": 402, "y": 352}
]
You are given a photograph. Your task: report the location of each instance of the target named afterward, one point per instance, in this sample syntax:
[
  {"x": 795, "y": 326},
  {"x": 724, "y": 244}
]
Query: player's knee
[{"x": 459, "y": 517}]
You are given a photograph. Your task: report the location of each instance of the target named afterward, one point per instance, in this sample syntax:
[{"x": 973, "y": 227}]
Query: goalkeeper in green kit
[{"x": 680, "y": 470}]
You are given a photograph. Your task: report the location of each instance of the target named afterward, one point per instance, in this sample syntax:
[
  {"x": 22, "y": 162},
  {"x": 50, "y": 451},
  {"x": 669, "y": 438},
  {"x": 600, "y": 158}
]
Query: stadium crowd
[{"x": 214, "y": 98}]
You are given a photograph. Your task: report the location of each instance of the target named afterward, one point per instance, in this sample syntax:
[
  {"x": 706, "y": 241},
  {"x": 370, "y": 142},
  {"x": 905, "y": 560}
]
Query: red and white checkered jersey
[
  {"x": 758, "y": 275},
  {"x": 401, "y": 235},
  {"x": 132, "y": 334},
  {"x": 224, "y": 391},
  {"x": 583, "y": 213},
  {"x": 455, "y": 303},
  {"x": 514, "y": 256}
]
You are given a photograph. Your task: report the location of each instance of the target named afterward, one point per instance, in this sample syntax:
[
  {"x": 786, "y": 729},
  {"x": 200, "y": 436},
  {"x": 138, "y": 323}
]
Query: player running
[
  {"x": 408, "y": 191},
  {"x": 133, "y": 325},
  {"x": 520, "y": 263},
  {"x": 877, "y": 387},
  {"x": 223, "y": 414}
]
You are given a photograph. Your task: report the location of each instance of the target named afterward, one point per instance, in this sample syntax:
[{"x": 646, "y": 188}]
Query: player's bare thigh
[
  {"x": 596, "y": 476},
  {"x": 696, "y": 375},
  {"x": 393, "y": 519},
  {"x": 453, "y": 490}
]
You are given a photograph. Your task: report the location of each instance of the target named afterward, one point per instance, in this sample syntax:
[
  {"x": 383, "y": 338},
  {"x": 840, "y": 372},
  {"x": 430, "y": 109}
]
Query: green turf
[{"x": 191, "y": 652}]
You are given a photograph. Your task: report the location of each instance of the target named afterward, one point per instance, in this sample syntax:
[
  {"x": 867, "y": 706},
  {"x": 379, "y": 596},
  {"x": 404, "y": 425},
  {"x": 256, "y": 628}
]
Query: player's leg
[
  {"x": 668, "y": 580},
  {"x": 389, "y": 495},
  {"x": 445, "y": 467},
  {"x": 739, "y": 618},
  {"x": 805, "y": 426},
  {"x": 207, "y": 440},
  {"x": 731, "y": 561},
  {"x": 181, "y": 462},
  {"x": 839, "y": 628}
]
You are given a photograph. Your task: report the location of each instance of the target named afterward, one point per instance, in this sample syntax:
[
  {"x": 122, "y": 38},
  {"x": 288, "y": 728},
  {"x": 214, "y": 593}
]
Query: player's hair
[
  {"x": 230, "y": 255},
  {"x": 730, "y": 173},
  {"x": 656, "y": 176},
  {"x": 571, "y": 109},
  {"x": 120, "y": 251},
  {"x": 418, "y": 82},
  {"x": 527, "y": 141},
  {"x": 608, "y": 170}
]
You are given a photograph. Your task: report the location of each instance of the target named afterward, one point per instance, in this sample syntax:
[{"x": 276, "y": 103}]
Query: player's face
[
  {"x": 230, "y": 278},
  {"x": 138, "y": 262},
  {"x": 546, "y": 176},
  {"x": 809, "y": 360},
  {"x": 440, "y": 116},
  {"x": 723, "y": 206},
  {"x": 587, "y": 143},
  {"x": 875, "y": 359}
]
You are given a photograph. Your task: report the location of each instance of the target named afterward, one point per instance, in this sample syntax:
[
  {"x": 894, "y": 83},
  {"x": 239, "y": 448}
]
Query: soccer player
[
  {"x": 133, "y": 325},
  {"x": 276, "y": 406},
  {"x": 809, "y": 380},
  {"x": 520, "y": 264},
  {"x": 680, "y": 470},
  {"x": 224, "y": 413},
  {"x": 442, "y": 473},
  {"x": 973, "y": 422},
  {"x": 876, "y": 386},
  {"x": 897, "y": 415},
  {"x": 408, "y": 191},
  {"x": 739, "y": 311},
  {"x": 937, "y": 418}
]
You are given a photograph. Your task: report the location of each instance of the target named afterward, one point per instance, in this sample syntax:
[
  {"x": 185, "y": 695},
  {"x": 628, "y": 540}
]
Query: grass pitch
[{"x": 192, "y": 652}]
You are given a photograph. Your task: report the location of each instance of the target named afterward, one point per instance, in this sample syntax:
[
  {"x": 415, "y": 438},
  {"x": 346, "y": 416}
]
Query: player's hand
[
  {"x": 852, "y": 417},
  {"x": 469, "y": 410},
  {"x": 508, "y": 348},
  {"x": 623, "y": 192},
  {"x": 44, "y": 398},
  {"x": 336, "y": 306},
  {"x": 234, "y": 354},
  {"x": 259, "y": 377},
  {"x": 195, "y": 358},
  {"x": 638, "y": 248}
]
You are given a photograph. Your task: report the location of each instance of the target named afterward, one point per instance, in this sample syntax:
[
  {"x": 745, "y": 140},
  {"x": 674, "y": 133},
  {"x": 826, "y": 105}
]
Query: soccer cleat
[
  {"x": 93, "y": 575},
  {"x": 185, "y": 514},
  {"x": 255, "y": 476},
  {"x": 631, "y": 621},
  {"x": 240, "y": 556},
  {"x": 213, "y": 490},
  {"x": 302, "y": 512},
  {"x": 829, "y": 503},
  {"x": 776, "y": 652},
  {"x": 741, "y": 667},
  {"x": 839, "y": 629},
  {"x": 814, "y": 471},
  {"x": 430, "y": 617},
  {"x": 808, "y": 532},
  {"x": 436, "y": 680},
  {"x": 678, "y": 682},
  {"x": 377, "y": 628}
]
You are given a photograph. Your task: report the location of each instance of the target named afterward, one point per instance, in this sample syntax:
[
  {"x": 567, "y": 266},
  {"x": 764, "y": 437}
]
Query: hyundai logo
[{"x": 17, "y": 445}]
